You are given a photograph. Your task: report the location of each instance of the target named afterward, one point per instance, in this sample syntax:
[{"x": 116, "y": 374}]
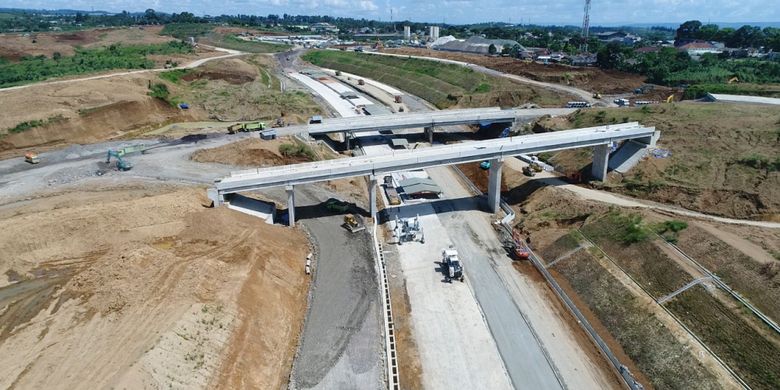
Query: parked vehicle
[{"x": 453, "y": 268}]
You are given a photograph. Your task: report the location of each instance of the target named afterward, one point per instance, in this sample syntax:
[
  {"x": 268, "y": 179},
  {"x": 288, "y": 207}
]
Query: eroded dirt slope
[{"x": 143, "y": 287}]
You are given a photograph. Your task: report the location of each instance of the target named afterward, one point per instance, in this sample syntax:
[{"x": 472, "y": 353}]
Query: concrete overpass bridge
[
  {"x": 427, "y": 120},
  {"x": 494, "y": 150}
]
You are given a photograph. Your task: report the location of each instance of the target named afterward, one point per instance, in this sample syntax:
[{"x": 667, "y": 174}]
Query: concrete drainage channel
[{"x": 392, "y": 357}]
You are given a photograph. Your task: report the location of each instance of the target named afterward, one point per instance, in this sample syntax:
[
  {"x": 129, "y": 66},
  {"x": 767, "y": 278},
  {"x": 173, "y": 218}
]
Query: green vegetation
[
  {"x": 760, "y": 283},
  {"x": 24, "y": 126},
  {"x": 625, "y": 238},
  {"x": 160, "y": 91},
  {"x": 670, "y": 229},
  {"x": 645, "y": 339},
  {"x": 758, "y": 161},
  {"x": 116, "y": 56},
  {"x": 175, "y": 75},
  {"x": 297, "y": 151},
  {"x": 731, "y": 337},
  {"x": 186, "y": 30},
  {"x": 443, "y": 85},
  {"x": 625, "y": 228},
  {"x": 232, "y": 42},
  {"x": 701, "y": 90}
]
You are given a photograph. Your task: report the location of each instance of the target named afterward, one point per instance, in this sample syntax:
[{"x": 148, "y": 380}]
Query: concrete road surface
[{"x": 456, "y": 348}]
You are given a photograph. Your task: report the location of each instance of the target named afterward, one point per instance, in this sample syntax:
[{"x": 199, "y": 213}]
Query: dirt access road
[{"x": 191, "y": 65}]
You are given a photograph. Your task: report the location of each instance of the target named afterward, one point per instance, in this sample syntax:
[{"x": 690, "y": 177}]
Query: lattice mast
[{"x": 585, "y": 26}]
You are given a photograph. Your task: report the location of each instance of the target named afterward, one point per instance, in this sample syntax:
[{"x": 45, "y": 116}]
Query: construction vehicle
[
  {"x": 485, "y": 165},
  {"x": 354, "y": 223},
  {"x": 516, "y": 248},
  {"x": 644, "y": 89},
  {"x": 596, "y": 95},
  {"x": 279, "y": 122},
  {"x": 623, "y": 102},
  {"x": 246, "y": 127},
  {"x": 254, "y": 126},
  {"x": 336, "y": 205},
  {"x": 121, "y": 164},
  {"x": 532, "y": 168},
  {"x": 408, "y": 230},
  {"x": 453, "y": 269},
  {"x": 32, "y": 158},
  {"x": 670, "y": 99}
]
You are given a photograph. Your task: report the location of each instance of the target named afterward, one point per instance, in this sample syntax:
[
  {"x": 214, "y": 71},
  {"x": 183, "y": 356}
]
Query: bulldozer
[
  {"x": 354, "y": 223},
  {"x": 531, "y": 169}
]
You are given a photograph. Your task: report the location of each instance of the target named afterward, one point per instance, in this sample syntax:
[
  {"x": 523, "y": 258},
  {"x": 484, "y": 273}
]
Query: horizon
[{"x": 562, "y": 13}]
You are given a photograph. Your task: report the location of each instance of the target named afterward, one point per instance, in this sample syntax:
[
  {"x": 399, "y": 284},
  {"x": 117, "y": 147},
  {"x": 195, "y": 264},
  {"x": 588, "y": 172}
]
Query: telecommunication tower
[{"x": 585, "y": 26}]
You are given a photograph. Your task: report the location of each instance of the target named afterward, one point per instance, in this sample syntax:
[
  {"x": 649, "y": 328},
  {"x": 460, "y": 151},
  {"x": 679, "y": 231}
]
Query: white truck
[{"x": 453, "y": 269}]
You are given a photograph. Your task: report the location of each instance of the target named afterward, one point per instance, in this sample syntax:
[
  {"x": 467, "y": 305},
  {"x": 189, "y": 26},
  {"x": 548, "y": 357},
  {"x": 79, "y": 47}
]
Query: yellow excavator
[{"x": 670, "y": 99}]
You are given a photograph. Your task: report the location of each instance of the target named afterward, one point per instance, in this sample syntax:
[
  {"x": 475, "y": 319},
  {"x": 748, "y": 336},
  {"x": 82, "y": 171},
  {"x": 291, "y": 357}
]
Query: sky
[{"x": 545, "y": 12}]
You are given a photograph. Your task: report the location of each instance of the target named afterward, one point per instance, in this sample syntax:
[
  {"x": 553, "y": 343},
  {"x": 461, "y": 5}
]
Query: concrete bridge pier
[
  {"x": 429, "y": 134},
  {"x": 347, "y": 140},
  {"x": 494, "y": 184},
  {"x": 372, "y": 184},
  {"x": 291, "y": 204},
  {"x": 600, "y": 162}
]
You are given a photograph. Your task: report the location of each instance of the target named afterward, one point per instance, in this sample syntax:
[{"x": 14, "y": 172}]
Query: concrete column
[
  {"x": 600, "y": 162},
  {"x": 494, "y": 185},
  {"x": 372, "y": 184},
  {"x": 291, "y": 204},
  {"x": 347, "y": 140},
  {"x": 429, "y": 134},
  {"x": 217, "y": 198}
]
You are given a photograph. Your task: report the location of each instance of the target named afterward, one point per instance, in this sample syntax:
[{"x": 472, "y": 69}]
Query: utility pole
[{"x": 585, "y": 26}]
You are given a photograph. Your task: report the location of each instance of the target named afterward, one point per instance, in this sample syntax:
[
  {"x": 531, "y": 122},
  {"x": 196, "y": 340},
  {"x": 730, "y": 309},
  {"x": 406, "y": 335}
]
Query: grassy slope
[
  {"x": 719, "y": 326},
  {"x": 707, "y": 142},
  {"x": 443, "y": 85},
  {"x": 232, "y": 42},
  {"x": 647, "y": 341},
  {"x": 751, "y": 355}
]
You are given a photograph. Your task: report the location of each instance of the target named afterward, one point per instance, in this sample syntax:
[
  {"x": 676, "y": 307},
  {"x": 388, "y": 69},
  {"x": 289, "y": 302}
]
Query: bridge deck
[
  {"x": 422, "y": 119},
  {"x": 428, "y": 157}
]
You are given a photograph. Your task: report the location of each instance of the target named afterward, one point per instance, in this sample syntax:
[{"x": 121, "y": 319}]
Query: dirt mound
[
  {"x": 232, "y": 71},
  {"x": 84, "y": 112},
  {"x": 249, "y": 152},
  {"x": 197, "y": 295}
]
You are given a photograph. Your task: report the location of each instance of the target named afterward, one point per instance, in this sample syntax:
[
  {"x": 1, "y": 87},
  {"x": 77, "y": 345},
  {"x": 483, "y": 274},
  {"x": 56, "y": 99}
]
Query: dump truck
[
  {"x": 453, "y": 269},
  {"x": 354, "y": 223},
  {"x": 246, "y": 127},
  {"x": 336, "y": 205},
  {"x": 32, "y": 158}
]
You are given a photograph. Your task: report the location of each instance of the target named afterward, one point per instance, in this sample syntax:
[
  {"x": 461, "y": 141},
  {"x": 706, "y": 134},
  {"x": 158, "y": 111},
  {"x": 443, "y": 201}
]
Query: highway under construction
[{"x": 509, "y": 336}]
